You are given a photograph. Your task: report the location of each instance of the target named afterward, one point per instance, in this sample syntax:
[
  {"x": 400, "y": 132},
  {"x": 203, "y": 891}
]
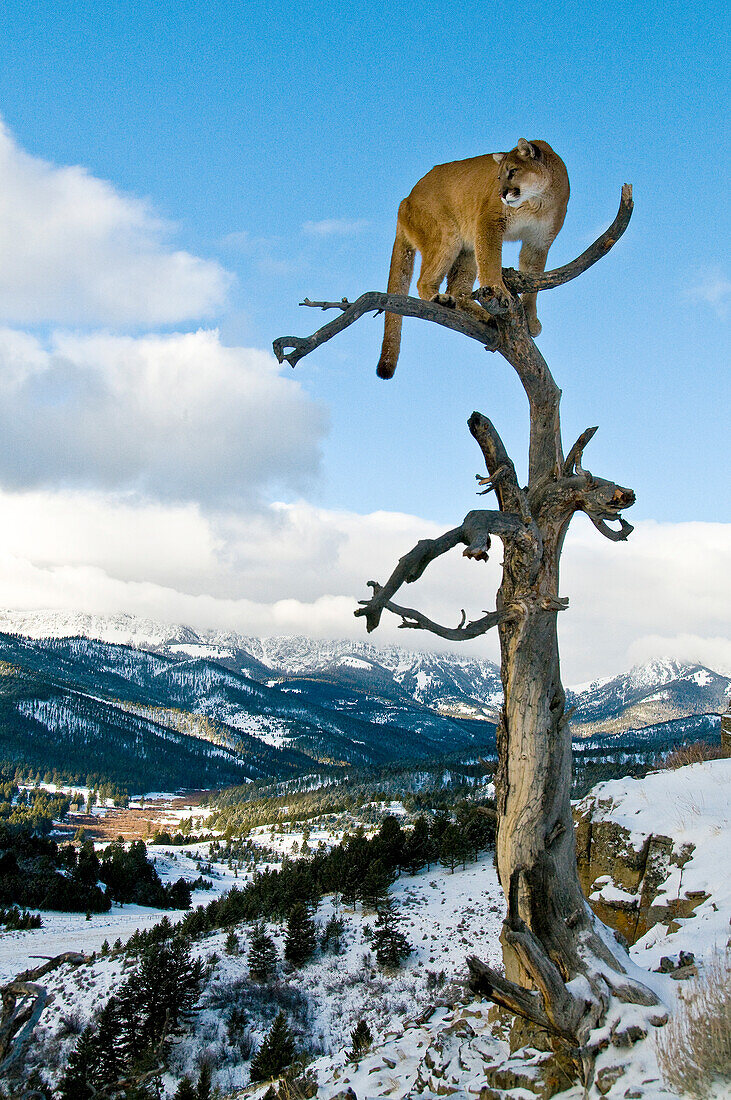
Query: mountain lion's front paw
[
  {"x": 445, "y": 300},
  {"x": 534, "y": 326},
  {"x": 495, "y": 299}
]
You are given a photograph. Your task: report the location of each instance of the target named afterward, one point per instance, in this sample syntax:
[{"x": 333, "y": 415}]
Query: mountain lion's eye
[{"x": 511, "y": 173}]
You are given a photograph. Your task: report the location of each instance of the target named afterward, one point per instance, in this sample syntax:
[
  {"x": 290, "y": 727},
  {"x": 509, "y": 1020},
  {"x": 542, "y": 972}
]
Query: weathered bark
[
  {"x": 561, "y": 968},
  {"x": 23, "y": 1001}
]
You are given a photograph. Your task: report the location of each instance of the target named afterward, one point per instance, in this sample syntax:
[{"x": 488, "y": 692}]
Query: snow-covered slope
[{"x": 658, "y": 692}]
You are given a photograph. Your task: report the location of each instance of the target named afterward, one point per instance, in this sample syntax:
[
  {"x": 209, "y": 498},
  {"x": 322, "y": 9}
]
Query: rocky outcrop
[{"x": 623, "y": 874}]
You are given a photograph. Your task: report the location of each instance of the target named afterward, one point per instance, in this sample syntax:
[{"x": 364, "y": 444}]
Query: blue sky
[{"x": 275, "y": 142}]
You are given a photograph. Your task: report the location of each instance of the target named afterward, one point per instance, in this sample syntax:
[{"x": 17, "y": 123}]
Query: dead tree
[
  {"x": 564, "y": 971},
  {"x": 23, "y": 1000}
]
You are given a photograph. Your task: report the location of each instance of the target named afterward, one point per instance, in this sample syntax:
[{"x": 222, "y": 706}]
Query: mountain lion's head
[{"x": 524, "y": 173}]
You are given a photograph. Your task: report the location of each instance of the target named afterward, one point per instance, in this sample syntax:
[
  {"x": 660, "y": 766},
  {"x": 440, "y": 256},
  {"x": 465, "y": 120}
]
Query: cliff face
[
  {"x": 652, "y": 857},
  {"x": 625, "y": 874}
]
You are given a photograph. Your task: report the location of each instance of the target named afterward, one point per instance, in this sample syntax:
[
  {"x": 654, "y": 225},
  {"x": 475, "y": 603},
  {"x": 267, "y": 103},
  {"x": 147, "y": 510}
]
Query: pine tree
[
  {"x": 185, "y": 1090},
  {"x": 417, "y": 848},
  {"x": 232, "y": 943},
  {"x": 75, "y": 1083},
  {"x": 331, "y": 939},
  {"x": 203, "y": 1092},
  {"x": 453, "y": 847},
  {"x": 301, "y": 935},
  {"x": 110, "y": 1061},
  {"x": 275, "y": 1053},
  {"x": 361, "y": 1038},
  {"x": 374, "y": 888},
  {"x": 262, "y": 957},
  {"x": 390, "y": 945},
  {"x": 389, "y": 842}
]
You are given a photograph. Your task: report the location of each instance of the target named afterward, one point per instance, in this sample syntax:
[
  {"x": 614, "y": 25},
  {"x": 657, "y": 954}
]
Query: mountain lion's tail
[{"x": 399, "y": 281}]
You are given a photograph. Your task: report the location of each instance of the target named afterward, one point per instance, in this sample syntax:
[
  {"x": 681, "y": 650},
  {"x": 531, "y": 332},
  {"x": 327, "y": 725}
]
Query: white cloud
[
  {"x": 300, "y": 569},
  {"x": 77, "y": 251},
  {"x": 177, "y": 417},
  {"x": 334, "y": 227}
]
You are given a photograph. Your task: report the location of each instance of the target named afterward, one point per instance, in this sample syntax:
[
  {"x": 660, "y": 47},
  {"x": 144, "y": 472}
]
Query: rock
[
  {"x": 539, "y": 1073},
  {"x": 684, "y": 972},
  {"x": 621, "y": 881},
  {"x": 345, "y": 1094},
  {"x": 607, "y": 1077}
]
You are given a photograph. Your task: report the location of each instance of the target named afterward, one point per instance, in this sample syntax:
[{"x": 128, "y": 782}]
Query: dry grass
[
  {"x": 693, "y": 754},
  {"x": 694, "y": 1049}
]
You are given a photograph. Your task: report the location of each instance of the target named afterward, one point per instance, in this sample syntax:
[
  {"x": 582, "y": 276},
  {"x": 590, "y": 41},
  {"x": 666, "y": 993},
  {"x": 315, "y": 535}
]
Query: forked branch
[
  {"x": 415, "y": 620},
  {"x": 474, "y": 532}
]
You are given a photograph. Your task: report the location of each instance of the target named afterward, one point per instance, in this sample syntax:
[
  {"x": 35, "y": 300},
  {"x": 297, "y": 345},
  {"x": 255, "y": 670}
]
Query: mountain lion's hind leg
[
  {"x": 460, "y": 282},
  {"x": 437, "y": 258}
]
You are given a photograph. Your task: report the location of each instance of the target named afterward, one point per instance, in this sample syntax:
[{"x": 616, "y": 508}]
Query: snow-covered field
[{"x": 73, "y": 932}]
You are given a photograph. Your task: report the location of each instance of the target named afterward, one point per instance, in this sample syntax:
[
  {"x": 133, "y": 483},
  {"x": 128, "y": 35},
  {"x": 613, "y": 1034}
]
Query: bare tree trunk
[{"x": 564, "y": 972}]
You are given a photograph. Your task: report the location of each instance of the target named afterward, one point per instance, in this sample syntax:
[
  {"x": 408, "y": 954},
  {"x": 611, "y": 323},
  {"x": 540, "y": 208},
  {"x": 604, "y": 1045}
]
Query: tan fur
[{"x": 458, "y": 216}]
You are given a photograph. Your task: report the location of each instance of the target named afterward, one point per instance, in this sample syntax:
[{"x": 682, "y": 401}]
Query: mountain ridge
[{"x": 288, "y": 703}]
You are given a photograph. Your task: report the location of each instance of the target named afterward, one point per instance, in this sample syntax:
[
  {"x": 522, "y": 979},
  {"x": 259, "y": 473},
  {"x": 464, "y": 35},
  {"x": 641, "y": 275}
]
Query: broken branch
[
  {"x": 373, "y": 300},
  {"x": 474, "y": 532},
  {"x": 575, "y": 455}
]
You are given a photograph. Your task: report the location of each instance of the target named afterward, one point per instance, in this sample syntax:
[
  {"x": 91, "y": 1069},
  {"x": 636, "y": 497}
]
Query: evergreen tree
[
  {"x": 262, "y": 957},
  {"x": 477, "y": 827},
  {"x": 203, "y": 1092},
  {"x": 350, "y": 883},
  {"x": 389, "y": 842},
  {"x": 374, "y": 888},
  {"x": 453, "y": 847},
  {"x": 361, "y": 1038},
  {"x": 390, "y": 945},
  {"x": 110, "y": 1061},
  {"x": 76, "y": 1081},
  {"x": 275, "y": 1053},
  {"x": 87, "y": 866},
  {"x": 185, "y": 1090},
  {"x": 331, "y": 939},
  {"x": 232, "y": 943},
  {"x": 301, "y": 935},
  {"x": 417, "y": 848}
]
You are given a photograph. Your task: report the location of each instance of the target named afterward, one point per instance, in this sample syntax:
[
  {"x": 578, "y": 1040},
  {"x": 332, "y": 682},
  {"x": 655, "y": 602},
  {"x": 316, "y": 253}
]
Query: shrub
[
  {"x": 694, "y": 1049},
  {"x": 693, "y": 754}
]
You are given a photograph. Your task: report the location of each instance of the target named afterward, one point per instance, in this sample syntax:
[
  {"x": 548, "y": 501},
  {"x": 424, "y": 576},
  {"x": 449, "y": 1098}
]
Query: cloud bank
[
  {"x": 299, "y": 569},
  {"x": 176, "y": 417},
  {"x": 77, "y": 251}
]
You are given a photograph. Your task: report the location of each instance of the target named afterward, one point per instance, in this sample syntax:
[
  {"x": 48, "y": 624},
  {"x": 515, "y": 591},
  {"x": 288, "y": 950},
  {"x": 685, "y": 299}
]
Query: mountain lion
[{"x": 458, "y": 216}]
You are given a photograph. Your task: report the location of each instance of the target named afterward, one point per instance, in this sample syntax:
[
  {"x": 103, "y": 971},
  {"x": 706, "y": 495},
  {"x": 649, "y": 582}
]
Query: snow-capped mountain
[
  {"x": 328, "y": 703},
  {"x": 138, "y": 715},
  {"x": 659, "y": 691}
]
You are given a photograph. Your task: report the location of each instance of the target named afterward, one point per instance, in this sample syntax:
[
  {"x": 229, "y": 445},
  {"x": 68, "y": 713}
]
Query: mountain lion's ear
[
  {"x": 527, "y": 149},
  {"x": 499, "y": 157}
]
